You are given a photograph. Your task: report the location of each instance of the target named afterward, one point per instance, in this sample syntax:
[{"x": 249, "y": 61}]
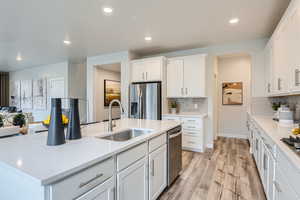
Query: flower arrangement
[{"x": 65, "y": 121}]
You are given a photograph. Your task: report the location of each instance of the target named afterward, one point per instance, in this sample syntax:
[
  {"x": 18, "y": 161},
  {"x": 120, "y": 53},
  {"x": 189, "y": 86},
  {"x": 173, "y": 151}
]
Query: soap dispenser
[
  {"x": 56, "y": 135},
  {"x": 74, "y": 131}
]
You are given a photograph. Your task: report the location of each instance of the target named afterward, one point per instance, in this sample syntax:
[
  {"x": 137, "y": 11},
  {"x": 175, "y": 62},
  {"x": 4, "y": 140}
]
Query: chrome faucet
[{"x": 110, "y": 124}]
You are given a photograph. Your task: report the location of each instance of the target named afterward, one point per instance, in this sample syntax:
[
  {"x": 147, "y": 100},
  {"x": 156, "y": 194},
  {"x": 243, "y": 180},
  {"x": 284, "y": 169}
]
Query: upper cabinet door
[
  {"x": 268, "y": 68},
  {"x": 175, "y": 78},
  {"x": 194, "y": 76},
  {"x": 294, "y": 48},
  {"x": 153, "y": 70},
  {"x": 138, "y": 71},
  {"x": 149, "y": 69}
]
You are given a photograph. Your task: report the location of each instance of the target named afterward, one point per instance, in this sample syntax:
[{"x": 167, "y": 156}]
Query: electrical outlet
[{"x": 195, "y": 106}]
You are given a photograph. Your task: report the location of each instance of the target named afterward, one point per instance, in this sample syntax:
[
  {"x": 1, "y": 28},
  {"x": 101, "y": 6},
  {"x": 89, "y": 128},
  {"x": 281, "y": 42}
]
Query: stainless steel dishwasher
[{"x": 174, "y": 153}]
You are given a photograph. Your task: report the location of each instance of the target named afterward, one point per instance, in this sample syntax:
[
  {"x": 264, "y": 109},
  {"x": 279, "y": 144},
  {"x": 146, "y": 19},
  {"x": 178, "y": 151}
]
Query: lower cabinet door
[
  {"x": 133, "y": 182},
  {"x": 283, "y": 191},
  {"x": 105, "y": 191},
  {"x": 157, "y": 172}
]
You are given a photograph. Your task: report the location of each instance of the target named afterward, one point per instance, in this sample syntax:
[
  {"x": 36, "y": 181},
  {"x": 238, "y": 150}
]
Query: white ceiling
[{"x": 36, "y": 28}]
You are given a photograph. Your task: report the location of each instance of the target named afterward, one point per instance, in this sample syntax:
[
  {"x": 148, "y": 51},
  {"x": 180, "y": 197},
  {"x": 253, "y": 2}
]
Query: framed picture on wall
[
  {"x": 112, "y": 90},
  {"x": 232, "y": 93}
]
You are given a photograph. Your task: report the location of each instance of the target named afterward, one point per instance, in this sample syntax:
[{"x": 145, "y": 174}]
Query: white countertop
[
  {"x": 276, "y": 132},
  {"x": 30, "y": 156},
  {"x": 186, "y": 114}
]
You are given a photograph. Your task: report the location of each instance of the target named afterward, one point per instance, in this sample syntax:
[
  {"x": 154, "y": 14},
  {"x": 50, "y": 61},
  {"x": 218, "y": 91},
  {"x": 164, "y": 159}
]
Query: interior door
[
  {"x": 175, "y": 78},
  {"x": 194, "y": 76},
  {"x": 133, "y": 182},
  {"x": 157, "y": 172}
]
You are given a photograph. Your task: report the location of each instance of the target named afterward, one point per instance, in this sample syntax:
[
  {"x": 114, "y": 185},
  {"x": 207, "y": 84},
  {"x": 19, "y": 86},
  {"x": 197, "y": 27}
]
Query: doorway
[
  {"x": 233, "y": 93},
  {"x": 107, "y": 86}
]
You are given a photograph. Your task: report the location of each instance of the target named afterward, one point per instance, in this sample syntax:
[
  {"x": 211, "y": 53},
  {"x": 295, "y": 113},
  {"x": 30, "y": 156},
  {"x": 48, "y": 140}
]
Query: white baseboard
[{"x": 240, "y": 136}]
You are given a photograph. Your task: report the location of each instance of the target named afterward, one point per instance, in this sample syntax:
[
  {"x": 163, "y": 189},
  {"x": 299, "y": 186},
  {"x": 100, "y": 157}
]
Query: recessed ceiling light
[
  {"x": 108, "y": 10},
  {"x": 19, "y": 58},
  {"x": 148, "y": 38},
  {"x": 67, "y": 42},
  {"x": 234, "y": 20}
]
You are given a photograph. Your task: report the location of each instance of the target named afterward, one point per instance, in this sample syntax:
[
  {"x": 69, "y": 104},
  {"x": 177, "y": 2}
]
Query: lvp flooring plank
[{"x": 226, "y": 173}]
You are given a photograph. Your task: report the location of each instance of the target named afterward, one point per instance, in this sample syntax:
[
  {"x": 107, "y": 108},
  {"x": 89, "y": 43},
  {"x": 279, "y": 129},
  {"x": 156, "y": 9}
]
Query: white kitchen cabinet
[
  {"x": 294, "y": 42},
  {"x": 132, "y": 182},
  {"x": 175, "y": 85},
  {"x": 269, "y": 69},
  {"x": 193, "y": 135},
  {"x": 283, "y": 191},
  {"x": 157, "y": 172},
  {"x": 149, "y": 69},
  {"x": 186, "y": 76},
  {"x": 105, "y": 191}
]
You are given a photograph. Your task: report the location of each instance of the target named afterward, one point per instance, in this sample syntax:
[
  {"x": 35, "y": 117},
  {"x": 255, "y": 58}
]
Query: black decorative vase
[
  {"x": 56, "y": 134},
  {"x": 74, "y": 131}
]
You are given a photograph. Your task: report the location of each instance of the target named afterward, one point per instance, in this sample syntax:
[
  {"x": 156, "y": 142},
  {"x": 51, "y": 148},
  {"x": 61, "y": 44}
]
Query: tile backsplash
[{"x": 198, "y": 105}]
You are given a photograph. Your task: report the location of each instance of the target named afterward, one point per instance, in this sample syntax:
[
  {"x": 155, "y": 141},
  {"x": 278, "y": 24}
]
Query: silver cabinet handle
[
  {"x": 297, "y": 71},
  {"x": 91, "y": 180},
  {"x": 277, "y": 186},
  {"x": 175, "y": 135},
  {"x": 264, "y": 162},
  {"x": 269, "y": 87},
  {"x": 186, "y": 91},
  {"x": 182, "y": 93},
  {"x": 152, "y": 168},
  {"x": 269, "y": 147},
  {"x": 279, "y": 83},
  {"x": 143, "y": 76},
  {"x": 146, "y": 76}
]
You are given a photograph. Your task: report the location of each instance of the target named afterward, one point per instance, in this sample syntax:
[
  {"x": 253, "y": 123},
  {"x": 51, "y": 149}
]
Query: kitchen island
[{"x": 88, "y": 168}]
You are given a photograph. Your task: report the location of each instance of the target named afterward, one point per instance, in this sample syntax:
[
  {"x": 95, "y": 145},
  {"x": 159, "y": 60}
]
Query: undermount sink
[{"x": 127, "y": 134}]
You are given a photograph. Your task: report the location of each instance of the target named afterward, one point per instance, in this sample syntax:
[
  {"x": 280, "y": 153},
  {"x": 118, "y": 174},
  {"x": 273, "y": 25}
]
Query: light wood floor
[{"x": 228, "y": 172}]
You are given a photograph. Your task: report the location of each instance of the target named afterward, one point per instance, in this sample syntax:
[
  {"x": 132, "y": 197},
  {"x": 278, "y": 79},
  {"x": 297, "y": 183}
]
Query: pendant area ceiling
[{"x": 35, "y": 29}]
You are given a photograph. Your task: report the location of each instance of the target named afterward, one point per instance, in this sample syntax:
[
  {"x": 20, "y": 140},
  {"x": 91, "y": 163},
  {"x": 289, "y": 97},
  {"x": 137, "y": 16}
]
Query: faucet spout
[{"x": 110, "y": 124}]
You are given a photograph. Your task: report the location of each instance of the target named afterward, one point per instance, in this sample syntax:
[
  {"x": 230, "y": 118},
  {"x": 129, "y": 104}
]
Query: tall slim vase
[
  {"x": 56, "y": 135},
  {"x": 74, "y": 131}
]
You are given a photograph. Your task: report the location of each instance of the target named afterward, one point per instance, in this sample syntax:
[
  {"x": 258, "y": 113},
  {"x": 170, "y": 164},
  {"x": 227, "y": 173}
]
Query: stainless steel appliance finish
[
  {"x": 126, "y": 134},
  {"x": 145, "y": 100},
  {"x": 110, "y": 124},
  {"x": 174, "y": 153}
]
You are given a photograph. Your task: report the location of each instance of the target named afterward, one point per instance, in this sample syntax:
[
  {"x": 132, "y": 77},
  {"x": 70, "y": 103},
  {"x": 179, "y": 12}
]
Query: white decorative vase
[{"x": 173, "y": 110}]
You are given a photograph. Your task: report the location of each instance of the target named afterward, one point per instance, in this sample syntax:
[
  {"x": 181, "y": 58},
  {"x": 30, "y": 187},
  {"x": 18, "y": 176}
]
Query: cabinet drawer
[
  {"x": 192, "y": 123},
  {"x": 191, "y": 142},
  {"x": 83, "y": 181},
  {"x": 157, "y": 142},
  {"x": 195, "y": 133},
  {"x": 128, "y": 157},
  {"x": 171, "y": 118},
  {"x": 290, "y": 171}
]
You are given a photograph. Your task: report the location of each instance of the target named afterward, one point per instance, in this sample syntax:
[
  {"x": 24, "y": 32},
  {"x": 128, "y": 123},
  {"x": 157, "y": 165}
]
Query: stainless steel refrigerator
[{"x": 145, "y": 100}]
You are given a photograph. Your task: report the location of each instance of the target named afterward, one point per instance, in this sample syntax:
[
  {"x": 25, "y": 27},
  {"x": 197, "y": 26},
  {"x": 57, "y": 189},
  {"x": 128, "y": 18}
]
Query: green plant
[
  {"x": 275, "y": 106},
  {"x": 1, "y": 121},
  {"x": 19, "y": 120},
  {"x": 173, "y": 104}
]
